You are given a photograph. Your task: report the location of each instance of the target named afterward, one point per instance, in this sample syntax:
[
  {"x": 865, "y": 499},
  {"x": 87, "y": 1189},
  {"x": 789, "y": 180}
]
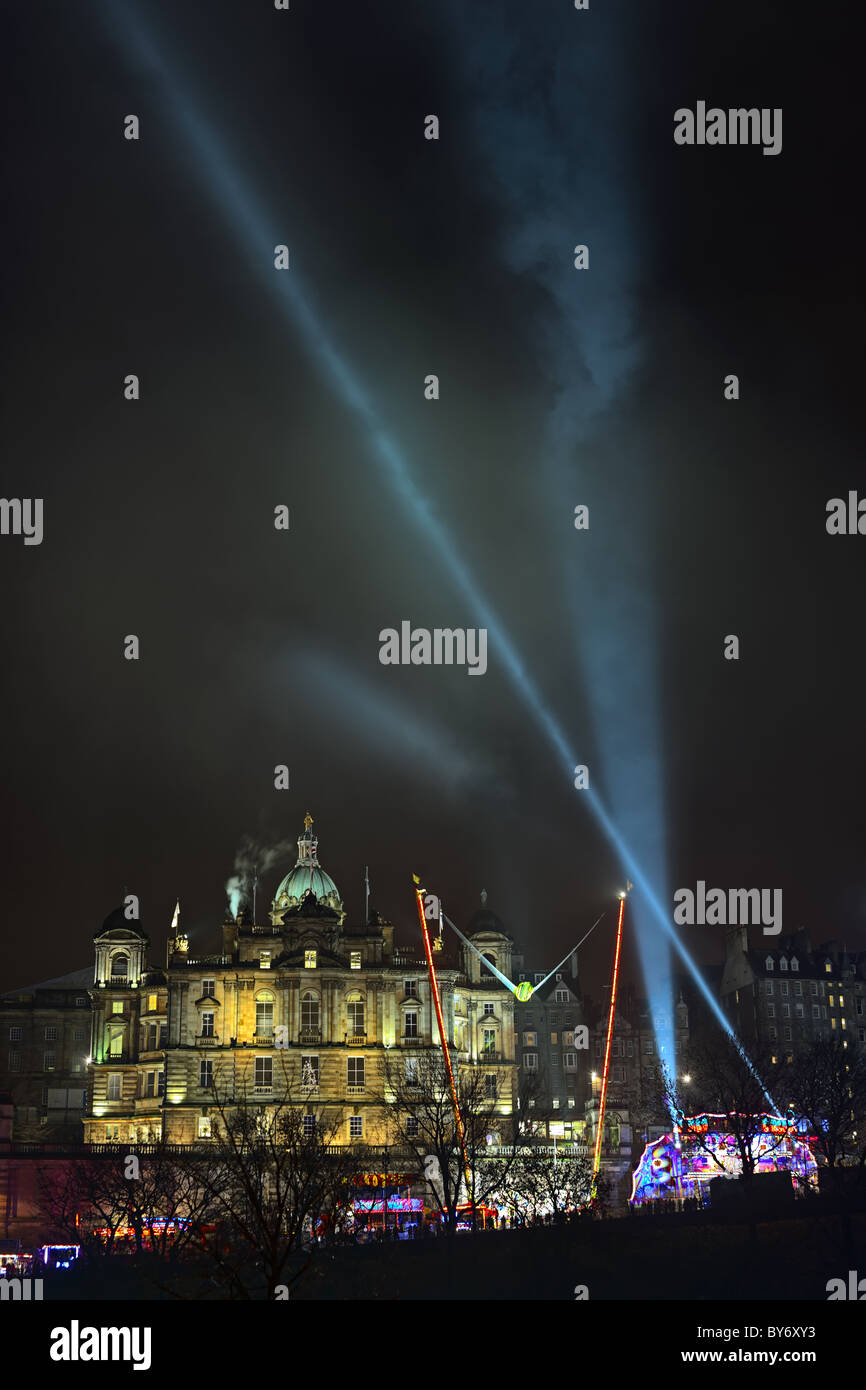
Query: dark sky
[{"x": 557, "y": 387}]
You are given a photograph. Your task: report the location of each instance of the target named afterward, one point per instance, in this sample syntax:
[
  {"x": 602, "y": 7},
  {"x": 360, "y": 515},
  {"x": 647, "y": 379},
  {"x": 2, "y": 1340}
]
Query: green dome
[
  {"x": 296, "y": 883},
  {"x": 307, "y": 873}
]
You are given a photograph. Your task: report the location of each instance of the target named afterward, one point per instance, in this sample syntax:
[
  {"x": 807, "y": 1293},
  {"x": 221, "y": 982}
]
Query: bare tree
[
  {"x": 551, "y": 1185},
  {"x": 827, "y": 1086},
  {"x": 275, "y": 1172}
]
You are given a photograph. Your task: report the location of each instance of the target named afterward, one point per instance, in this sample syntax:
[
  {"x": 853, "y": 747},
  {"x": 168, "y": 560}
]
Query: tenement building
[
  {"x": 44, "y": 1051},
  {"x": 306, "y": 1006},
  {"x": 785, "y": 996}
]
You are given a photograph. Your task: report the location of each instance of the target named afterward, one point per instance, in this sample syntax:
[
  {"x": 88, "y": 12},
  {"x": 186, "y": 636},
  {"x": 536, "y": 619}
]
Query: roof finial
[{"x": 308, "y": 821}]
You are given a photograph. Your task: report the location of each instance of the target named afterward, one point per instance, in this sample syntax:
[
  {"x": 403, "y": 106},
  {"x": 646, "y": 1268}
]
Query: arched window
[
  {"x": 119, "y": 965},
  {"x": 264, "y": 1013},
  {"x": 355, "y": 1013},
  {"x": 309, "y": 1010},
  {"x": 769, "y": 962}
]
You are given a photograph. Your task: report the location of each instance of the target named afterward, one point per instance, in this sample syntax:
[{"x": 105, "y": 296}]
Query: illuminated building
[
  {"x": 306, "y": 1006},
  {"x": 681, "y": 1167}
]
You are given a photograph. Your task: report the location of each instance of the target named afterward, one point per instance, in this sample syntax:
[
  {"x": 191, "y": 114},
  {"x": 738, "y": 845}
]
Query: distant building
[
  {"x": 553, "y": 1057},
  {"x": 44, "y": 1051},
  {"x": 633, "y": 1114},
  {"x": 785, "y": 996}
]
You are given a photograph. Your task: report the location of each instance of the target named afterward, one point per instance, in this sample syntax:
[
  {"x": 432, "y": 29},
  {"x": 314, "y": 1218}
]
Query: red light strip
[
  {"x": 596, "y": 1159},
  {"x": 434, "y": 985}
]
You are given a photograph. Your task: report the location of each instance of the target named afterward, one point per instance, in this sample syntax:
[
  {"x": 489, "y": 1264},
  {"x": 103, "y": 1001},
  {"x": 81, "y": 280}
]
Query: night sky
[{"x": 558, "y": 387}]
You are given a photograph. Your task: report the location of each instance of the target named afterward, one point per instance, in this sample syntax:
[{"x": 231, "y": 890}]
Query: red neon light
[
  {"x": 434, "y": 985},
  {"x": 596, "y": 1159}
]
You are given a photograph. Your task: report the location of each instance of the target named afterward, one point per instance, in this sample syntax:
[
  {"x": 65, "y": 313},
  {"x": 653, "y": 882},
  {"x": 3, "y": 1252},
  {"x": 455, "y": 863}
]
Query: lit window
[
  {"x": 571, "y": 1102},
  {"x": 832, "y": 1001},
  {"x": 530, "y": 1039},
  {"x": 204, "y": 1131},
  {"x": 117, "y": 1006},
  {"x": 556, "y": 1102},
  {"x": 489, "y": 1043},
  {"x": 354, "y": 960},
  {"x": 309, "y": 1013},
  {"x": 310, "y": 1072},
  {"x": 826, "y": 967},
  {"x": 151, "y": 1003},
  {"x": 309, "y": 960}
]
